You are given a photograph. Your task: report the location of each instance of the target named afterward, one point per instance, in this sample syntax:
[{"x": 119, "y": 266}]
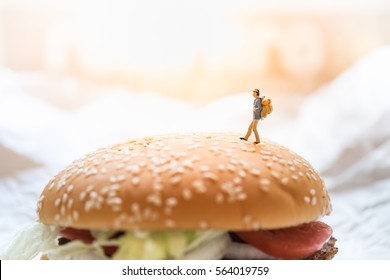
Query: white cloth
[{"x": 343, "y": 130}]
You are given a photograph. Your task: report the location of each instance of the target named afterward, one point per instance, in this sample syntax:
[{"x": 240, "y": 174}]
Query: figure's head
[{"x": 256, "y": 92}]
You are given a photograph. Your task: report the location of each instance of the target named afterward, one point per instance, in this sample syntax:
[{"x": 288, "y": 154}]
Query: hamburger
[{"x": 183, "y": 196}]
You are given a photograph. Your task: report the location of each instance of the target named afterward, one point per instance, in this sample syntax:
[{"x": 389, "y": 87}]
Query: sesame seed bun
[{"x": 186, "y": 181}]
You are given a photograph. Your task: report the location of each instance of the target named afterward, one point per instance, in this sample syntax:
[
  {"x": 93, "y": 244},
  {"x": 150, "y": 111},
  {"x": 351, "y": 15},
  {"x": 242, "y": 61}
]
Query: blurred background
[
  {"x": 192, "y": 50},
  {"x": 76, "y": 75}
]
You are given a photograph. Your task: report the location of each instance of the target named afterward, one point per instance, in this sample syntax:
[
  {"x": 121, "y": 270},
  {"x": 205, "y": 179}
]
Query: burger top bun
[{"x": 186, "y": 181}]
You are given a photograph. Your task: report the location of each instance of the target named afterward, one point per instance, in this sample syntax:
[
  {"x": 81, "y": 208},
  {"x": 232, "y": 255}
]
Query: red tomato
[
  {"x": 86, "y": 237},
  {"x": 109, "y": 250},
  {"x": 77, "y": 234},
  {"x": 289, "y": 243}
]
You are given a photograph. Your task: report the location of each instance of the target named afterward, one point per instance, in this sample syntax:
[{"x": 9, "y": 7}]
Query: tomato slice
[
  {"x": 289, "y": 243},
  {"x": 86, "y": 237},
  {"x": 77, "y": 234},
  {"x": 109, "y": 250}
]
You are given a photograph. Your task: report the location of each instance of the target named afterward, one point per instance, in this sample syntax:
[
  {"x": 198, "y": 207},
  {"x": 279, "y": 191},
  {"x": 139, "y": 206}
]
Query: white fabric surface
[{"x": 343, "y": 130}]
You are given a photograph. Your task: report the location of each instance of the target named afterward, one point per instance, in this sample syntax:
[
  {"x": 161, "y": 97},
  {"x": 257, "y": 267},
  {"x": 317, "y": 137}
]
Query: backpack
[{"x": 267, "y": 108}]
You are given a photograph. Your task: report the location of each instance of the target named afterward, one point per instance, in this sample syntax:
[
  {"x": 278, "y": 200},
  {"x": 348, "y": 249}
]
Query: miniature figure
[{"x": 258, "y": 113}]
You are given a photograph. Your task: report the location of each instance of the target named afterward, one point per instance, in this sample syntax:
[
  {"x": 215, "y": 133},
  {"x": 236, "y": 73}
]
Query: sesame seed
[
  {"x": 312, "y": 191},
  {"x": 242, "y": 173},
  {"x": 255, "y": 171},
  {"x": 221, "y": 167},
  {"x": 307, "y": 199},
  {"x": 135, "y": 180},
  {"x": 264, "y": 181},
  {"x": 157, "y": 186},
  {"x": 82, "y": 196},
  {"x": 269, "y": 165},
  {"x": 134, "y": 169},
  {"x": 62, "y": 211},
  {"x": 90, "y": 172},
  {"x": 64, "y": 197},
  {"x": 237, "y": 180},
  {"x": 244, "y": 164},
  {"x": 264, "y": 188},
  {"x": 285, "y": 181},
  {"x": 121, "y": 178},
  {"x": 275, "y": 174},
  {"x": 51, "y": 186},
  {"x": 115, "y": 187},
  {"x": 93, "y": 194},
  {"x": 246, "y": 219},
  {"x": 169, "y": 223},
  {"x": 282, "y": 162},
  {"x": 120, "y": 165},
  {"x": 75, "y": 215},
  {"x": 178, "y": 170},
  {"x": 204, "y": 168},
  {"x": 61, "y": 183},
  {"x": 231, "y": 168},
  {"x": 175, "y": 179},
  {"x": 215, "y": 150},
  {"x": 70, "y": 203},
  {"x": 114, "y": 201},
  {"x": 57, "y": 202},
  {"x": 195, "y": 158},
  {"x": 187, "y": 163},
  {"x": 135, "y": 207},
  {"x": 219, "y": 198},
  {"x": 314, "y": 201},
  {"x": 255, "y": 225},
  {"x": 116, "y": 208},
  {"x": 194, "y": 146},
  {"x": 295, "y": 177},
  {"x": 203, "y": 225},
  {"x": 112, "y": 193},
  {"x": 296, "y": 162},
  {"x": 199, "y": 186},
  {"x": 187, "y": 194},
  {"x": 292, "y": 168},
  {"x": 125, "y": 159},
  {"x": 211, "y": 176},
  {"x": 241, "y": 196},
  {"x": 171, "y": 201},
  {"x": 155, "y": 199}
]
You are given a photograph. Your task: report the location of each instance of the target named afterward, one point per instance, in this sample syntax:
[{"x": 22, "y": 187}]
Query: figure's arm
[{"x": 257, "y": 106}]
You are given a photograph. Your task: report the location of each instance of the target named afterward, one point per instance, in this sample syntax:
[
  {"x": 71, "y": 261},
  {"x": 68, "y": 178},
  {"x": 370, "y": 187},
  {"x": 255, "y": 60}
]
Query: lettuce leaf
[
  {"x": 36, "y": 238},
  {"x": 29, "y": 241}
]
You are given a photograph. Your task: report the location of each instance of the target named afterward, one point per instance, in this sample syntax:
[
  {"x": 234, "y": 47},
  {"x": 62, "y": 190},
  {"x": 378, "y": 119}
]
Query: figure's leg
[
  {"x": 255, "y": 122},
  {"x": 249, "y": 132}
]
